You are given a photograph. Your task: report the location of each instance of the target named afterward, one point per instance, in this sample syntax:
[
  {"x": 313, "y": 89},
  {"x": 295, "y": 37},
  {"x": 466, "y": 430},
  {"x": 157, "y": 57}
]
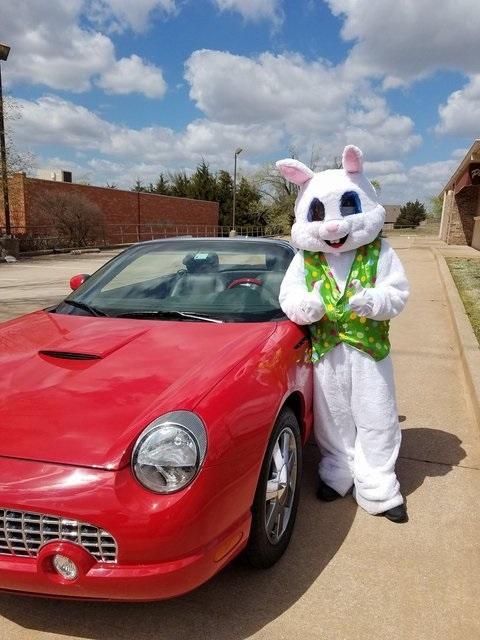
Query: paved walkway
[{"x": 347, "y": 575}]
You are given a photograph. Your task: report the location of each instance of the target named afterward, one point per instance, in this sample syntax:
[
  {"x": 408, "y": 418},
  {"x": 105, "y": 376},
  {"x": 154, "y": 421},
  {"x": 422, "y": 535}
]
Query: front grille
[{"x": 23, "y": 533}]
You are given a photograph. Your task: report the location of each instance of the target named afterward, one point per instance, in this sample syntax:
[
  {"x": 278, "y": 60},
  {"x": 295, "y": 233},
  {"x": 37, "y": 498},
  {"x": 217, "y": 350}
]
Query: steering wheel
[
  {"x": 245, "y": 281},
  {"x": 255, "y": 284}
]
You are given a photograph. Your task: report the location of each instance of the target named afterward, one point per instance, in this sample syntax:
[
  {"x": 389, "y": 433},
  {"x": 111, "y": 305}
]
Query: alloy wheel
[{"x": 282, "y": 479}]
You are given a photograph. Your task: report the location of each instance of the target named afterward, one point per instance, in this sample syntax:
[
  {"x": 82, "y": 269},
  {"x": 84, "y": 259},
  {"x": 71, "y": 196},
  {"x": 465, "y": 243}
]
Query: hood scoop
[
  {"x": 94, "y": 340},
  {"x": 69, "y": 355}
]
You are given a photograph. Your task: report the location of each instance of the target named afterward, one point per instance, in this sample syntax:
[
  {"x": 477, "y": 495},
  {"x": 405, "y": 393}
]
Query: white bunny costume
[{"x": 346, "y": 283}]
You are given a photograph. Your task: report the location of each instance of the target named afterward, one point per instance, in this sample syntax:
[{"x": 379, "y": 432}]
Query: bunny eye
[
  {"x": 350, "y": 203},
  {"x": 316, "y": 212}
]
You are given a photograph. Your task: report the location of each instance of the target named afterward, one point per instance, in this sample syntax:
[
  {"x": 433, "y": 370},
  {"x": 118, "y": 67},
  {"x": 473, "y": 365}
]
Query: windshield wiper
[
  {"x": 167, "y": 314},
  {"x": 86, "y": 307}
]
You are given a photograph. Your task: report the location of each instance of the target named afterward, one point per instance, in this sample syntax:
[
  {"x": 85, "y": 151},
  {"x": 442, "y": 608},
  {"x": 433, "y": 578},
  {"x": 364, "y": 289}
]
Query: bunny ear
[
  {"x": 352, "y": 159},
  {"x": 294, "y": 171}
]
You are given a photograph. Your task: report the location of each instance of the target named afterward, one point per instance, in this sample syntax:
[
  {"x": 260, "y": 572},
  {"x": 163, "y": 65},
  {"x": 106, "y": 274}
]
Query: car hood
[{"x": 78, "y": 390}]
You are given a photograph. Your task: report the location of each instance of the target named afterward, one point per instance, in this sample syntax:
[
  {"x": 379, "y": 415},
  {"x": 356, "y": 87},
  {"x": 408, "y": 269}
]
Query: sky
[{"x": 116, "y": 90}]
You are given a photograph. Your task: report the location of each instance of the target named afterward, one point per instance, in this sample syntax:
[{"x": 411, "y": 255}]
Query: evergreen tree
[
  {"x": 225, "y": 197},
  {"x": 180, "y": 184},
  {"x": 411, "y": 214},
  {"x": 139, "y": 186},
  {"x": 203, "y": 184},
  {"x": 162, "y": 186},
  {"x": 248, "y": 207}
]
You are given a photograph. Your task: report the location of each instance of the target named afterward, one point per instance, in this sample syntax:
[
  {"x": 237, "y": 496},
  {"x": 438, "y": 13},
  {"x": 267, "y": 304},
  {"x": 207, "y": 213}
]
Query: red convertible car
[{"x": 152, "y": 423}]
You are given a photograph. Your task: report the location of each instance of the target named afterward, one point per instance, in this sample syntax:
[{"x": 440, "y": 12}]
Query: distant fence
[{"x": 45, "y": 237}]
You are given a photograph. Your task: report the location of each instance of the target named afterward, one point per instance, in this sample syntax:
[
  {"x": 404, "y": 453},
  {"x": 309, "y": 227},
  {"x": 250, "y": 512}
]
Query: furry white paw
[
  {"x": 311, "y": 306},
  {"x": 306, "y": 310},
  {"x": 362, "y": 302}
]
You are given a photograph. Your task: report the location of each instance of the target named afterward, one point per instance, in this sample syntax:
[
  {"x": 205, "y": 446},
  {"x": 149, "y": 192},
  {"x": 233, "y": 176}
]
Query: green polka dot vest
[{"x": 340, "y": 323}]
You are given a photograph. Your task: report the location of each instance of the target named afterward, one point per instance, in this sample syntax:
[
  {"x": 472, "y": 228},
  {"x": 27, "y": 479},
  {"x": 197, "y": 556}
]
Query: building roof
[
  {"x": 472, "y": 155},
  {"x": 392, "y": 211}
]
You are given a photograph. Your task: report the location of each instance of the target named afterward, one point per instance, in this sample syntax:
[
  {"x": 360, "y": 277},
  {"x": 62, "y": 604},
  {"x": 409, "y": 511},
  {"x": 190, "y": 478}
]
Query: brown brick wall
[
  {"x": 125, "y": 208},
  {"x": 16, "y": 190},
  {"x": 461, "y": 210}
]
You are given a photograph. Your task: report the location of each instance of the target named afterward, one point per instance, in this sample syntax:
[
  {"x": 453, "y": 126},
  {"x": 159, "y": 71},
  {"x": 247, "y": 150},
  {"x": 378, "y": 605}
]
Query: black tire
[{"x": 267, "y": 543}]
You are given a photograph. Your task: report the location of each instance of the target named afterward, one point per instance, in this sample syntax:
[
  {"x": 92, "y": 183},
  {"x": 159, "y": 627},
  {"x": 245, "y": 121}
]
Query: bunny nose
[{"x": 332, "y": 226}]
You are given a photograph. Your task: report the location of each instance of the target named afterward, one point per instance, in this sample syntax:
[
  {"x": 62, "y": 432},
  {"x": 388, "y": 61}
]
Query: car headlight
[{"x": 169, "y": 452}]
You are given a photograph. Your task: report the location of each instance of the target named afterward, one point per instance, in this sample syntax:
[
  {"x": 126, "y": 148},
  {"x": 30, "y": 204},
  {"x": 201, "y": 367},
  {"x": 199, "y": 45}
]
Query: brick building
[
  {"x": 461, "y": 202},
  {"x": 128, "y": 215}
]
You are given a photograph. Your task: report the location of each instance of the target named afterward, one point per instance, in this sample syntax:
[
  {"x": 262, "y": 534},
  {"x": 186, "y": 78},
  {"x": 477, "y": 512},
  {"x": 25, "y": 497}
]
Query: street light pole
[
  {"x": 4, "y": 51},
  {"x": 237, "y": 153}
]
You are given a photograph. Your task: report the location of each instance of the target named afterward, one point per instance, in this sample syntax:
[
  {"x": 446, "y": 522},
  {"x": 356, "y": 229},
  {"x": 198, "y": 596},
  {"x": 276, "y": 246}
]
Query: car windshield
[{"x": 227, "y": 280}]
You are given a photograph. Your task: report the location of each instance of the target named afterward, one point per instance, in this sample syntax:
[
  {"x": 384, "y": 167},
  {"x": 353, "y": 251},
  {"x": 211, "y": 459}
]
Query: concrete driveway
[
  {"x": 346, "y": 575},
  {"x": 34, "y": 283}
]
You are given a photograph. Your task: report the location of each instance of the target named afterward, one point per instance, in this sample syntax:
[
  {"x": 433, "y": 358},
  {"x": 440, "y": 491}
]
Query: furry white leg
[
  {"x": 378, "y": 433},
  {"x": 335, "y": 430},
  {"x": 356, "y": 427}
]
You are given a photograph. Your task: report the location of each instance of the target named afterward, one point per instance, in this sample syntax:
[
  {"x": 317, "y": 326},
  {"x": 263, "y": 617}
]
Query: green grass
[
  {"x": 432, "y": 228},
  {"x": 466, "y": 274}
]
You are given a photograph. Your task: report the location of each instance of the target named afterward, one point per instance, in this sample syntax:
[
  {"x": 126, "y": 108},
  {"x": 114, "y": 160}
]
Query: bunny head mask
[{"x": 336, "y": 210}]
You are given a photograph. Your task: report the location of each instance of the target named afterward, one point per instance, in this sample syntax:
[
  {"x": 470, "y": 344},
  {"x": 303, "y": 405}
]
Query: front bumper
[{"x": 167, "y": 545}]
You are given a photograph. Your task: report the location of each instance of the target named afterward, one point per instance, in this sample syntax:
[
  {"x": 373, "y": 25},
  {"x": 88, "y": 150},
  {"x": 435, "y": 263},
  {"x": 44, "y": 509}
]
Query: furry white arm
[
  {"x": 297, "y": 303},
  {"x": 389, "y": 296}
]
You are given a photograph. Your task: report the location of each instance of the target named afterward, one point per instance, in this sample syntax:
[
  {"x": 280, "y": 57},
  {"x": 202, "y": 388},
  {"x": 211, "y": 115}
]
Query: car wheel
[{"x": 278, "y": 491}]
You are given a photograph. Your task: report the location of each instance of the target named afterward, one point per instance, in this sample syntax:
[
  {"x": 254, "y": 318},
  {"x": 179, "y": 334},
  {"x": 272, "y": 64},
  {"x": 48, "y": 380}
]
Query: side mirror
[{"x": 77, "y": 281}]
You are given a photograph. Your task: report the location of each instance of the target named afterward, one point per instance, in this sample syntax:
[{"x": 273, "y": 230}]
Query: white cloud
[
  {"x": 309, "y": 101},
  {"x": 407, "y": 40},
  {"x": 118, "y": 15},
  {"x": 133, "y": 74},
  {"x": 233, "y": 88},
  {"x": 51, "y": 119},
  {"x": 418, "y": 182},
  {"x": 108, "y": 152},
  {"x": 460, "y": 115},
  {"x": 50, "y": 47},
  {"x": 254, "y": 10},
  {"x": 382, "y": 167}
]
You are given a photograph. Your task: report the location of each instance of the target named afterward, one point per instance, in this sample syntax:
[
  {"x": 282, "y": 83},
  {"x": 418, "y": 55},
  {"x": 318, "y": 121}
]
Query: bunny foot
[{"x": 326, "y": 493}]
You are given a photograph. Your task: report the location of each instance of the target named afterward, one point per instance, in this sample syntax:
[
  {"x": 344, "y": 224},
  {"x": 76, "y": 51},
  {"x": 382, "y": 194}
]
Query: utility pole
[
  {"x": 4, "y": 51},
  {"x": 237, "y": 153}
]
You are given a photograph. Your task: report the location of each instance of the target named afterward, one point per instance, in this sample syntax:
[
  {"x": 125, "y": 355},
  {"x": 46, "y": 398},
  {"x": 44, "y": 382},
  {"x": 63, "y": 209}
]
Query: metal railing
[{"x": 47, "y": 237}]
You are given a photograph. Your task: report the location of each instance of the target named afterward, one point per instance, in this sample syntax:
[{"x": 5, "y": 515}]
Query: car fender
[{"x": 240, "y": 412}]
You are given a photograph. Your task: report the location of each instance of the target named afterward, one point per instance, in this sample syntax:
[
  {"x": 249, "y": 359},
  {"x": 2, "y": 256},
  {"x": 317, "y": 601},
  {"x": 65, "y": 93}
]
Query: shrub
[
  {"x": 411, "y": 214},
  {"x": 78, "y": 222}
]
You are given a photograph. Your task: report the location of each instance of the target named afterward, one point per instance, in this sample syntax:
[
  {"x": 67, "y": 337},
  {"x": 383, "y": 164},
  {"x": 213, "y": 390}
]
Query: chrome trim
[
  {"x": 186, "y": 420},
  {"x": 23, "y": 533}
]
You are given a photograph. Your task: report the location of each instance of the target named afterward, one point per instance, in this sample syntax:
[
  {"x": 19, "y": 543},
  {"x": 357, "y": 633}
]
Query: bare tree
[
  {"x": 16, "y": 160},
  {"x": 78, "y": 221}
]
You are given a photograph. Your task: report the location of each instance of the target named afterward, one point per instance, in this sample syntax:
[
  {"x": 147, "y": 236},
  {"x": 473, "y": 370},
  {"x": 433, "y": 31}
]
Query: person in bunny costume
[{"x": 346, "y": 283}]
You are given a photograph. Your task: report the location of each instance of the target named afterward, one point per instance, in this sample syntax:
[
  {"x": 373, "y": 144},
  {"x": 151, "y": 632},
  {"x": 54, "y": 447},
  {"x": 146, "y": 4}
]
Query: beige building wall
[
  {"x": 445, "y": 221},
  {"x": 476, "y": 234}
]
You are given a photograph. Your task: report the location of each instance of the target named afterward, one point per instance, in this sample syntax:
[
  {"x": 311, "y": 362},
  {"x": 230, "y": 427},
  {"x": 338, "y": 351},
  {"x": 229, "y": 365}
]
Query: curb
[
  {"x": 467, "y": 341},
  {"x": 53, "y": 252}
]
